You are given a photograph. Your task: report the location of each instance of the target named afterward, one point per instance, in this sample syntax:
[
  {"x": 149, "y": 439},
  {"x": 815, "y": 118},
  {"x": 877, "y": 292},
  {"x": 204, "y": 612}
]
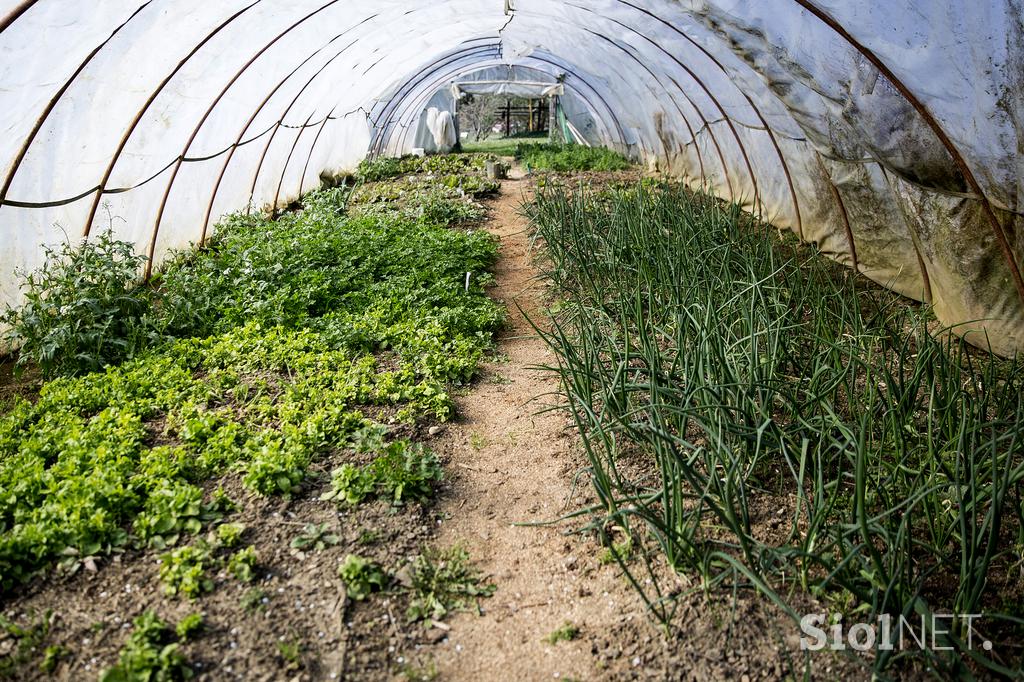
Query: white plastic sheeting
[{"x": 891, "y": 134}]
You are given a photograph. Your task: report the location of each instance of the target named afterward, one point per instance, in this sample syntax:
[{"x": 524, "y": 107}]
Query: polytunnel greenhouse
[{"x": 609, "y": 340}]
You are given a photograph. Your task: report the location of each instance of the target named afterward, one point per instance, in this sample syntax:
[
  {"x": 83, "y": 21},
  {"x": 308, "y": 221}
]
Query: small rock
[
  {"x": 434, "y": 430},
  {"x": 404, "y": 576}
]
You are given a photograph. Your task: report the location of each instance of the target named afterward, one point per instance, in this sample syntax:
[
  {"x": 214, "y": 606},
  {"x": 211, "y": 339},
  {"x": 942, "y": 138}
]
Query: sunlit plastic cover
[{"x": 888, "y": 133}]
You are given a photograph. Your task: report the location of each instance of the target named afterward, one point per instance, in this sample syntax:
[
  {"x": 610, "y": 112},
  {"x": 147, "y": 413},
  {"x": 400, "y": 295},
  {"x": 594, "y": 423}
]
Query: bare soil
[{"x": 516, "y": 464}]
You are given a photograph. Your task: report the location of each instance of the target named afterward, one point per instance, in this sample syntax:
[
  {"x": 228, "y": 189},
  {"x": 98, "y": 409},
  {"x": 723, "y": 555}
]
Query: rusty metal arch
[
  {"x": 263, "y": 103},
  {"x": 750, "y": 101},
  {"x": 933, "y": 123},
  {"x": 284, "y": 167},
  {"x": 838, "y": 198},
  {"x": 319, "y": 132},
  {"x": 15, "y": 13},
  {"x": 382, "y": 132},
  {"x": 718, "y": 105},
  {"x": 266, "y": 149},
  {"x": 167, "y": 192},
  {"x": 278, "y": 125},
  {"x": 999, "y": 231},
  {"x": 569, "y": 70},
  {"x": 149, "y": 102},
  {"x": 706, "y": 125},
  {"x": 915, "y": 238},
  {"x": 421, "y": 99},
  {"x": 686, "y": 120},
  {"x": 52, "y": 104},
  {"x": 273, "y": 134}
]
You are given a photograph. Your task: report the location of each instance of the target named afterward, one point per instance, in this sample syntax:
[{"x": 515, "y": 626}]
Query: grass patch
[
  {"x": 567, "y": 632},
  {"x": 444, "y": 581},
  {"x": 504, "y": 146},
  {"x": 570, "y": 157}
]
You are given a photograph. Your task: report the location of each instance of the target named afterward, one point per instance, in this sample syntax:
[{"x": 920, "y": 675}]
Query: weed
[
  {"x": 566, "y": 633},
  {"x": 361, "y": 577},
  {"x": 183, "y": 571},
  {"x": 477, "y": 441},
  {"x": 291, "y": 653},
  {"x": 444, "y": 581},
  {"x": 84, "y": 308},
  {"x": 420, "y": 673},
  {"x": 150, "y": 654},
  {"x": 254, "y": 600},
  {"x": 368, "y": 536},
  {"x": 189, "y": 626},
  {"x": 406, "y": 471},
  {"x": 619, "y": 551},
  {"x": 315, "y": 537},
  {"x": 27, "y": 641},
  {"x": 242, "y": 563},
  {"x": 52, "y": 656}
]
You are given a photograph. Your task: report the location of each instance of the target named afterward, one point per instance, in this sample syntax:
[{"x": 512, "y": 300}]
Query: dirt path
[{"x": 512, "y": 465}]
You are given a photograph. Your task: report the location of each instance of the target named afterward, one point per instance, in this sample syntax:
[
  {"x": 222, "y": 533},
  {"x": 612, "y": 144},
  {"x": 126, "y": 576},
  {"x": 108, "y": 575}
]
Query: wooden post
[
  {"x": 529, "y": 128},
  {"x": 508, "y": 118},
  {"x": 553, "y": 118}
]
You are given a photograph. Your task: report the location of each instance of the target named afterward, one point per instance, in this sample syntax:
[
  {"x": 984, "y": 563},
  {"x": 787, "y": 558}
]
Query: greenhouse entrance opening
[{"x": 477, "y": 109}]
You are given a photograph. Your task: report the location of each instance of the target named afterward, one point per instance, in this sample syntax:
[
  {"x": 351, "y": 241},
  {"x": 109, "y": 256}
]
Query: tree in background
[{"x": 478, "y": 114}]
